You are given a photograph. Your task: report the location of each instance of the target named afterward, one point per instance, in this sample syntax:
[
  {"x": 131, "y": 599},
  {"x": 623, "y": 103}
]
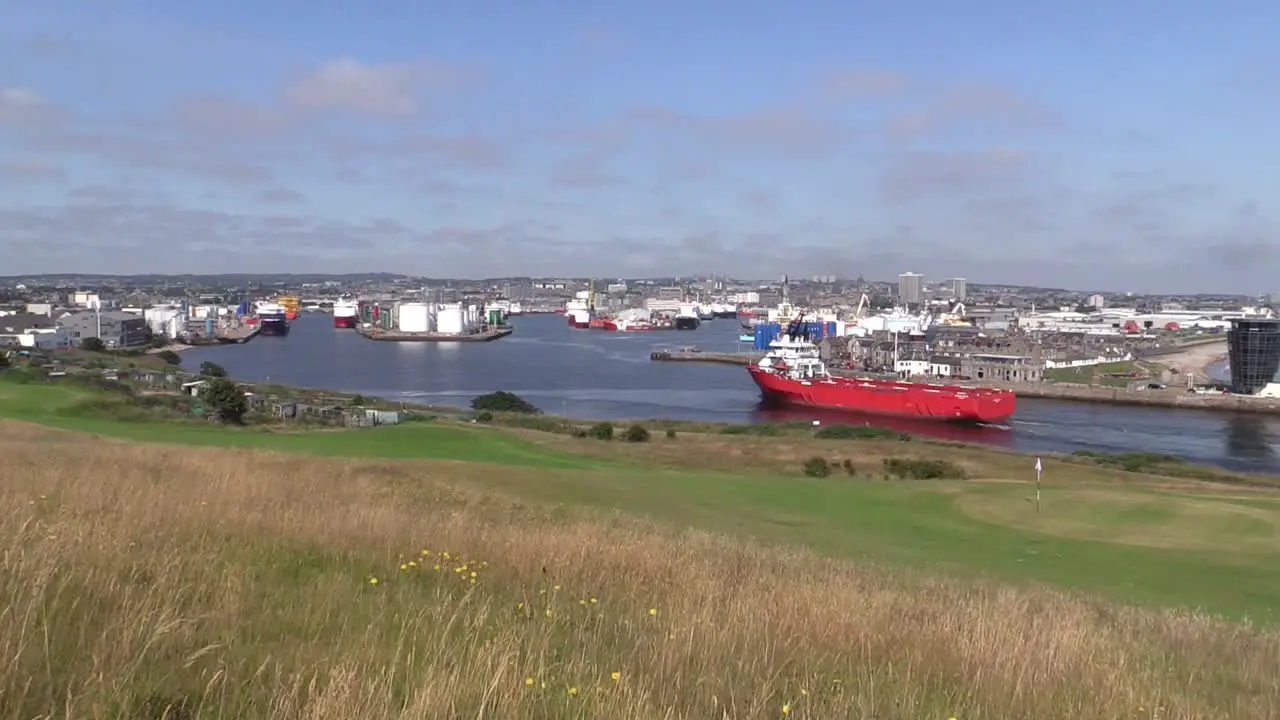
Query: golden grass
[{"x": 220, "y": 583}]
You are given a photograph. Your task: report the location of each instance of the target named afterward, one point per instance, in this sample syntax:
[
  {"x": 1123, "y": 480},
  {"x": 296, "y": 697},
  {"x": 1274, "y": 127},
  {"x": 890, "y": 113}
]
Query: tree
[
  {"x": 223, "y": 396},
  {"x": 4, "y": 360},
  {"x": 503, "y": 401},
  {"x": 170, "y": 357},
  {"x": 93, "y": 344},
  {"x": 213, "y": 370}
]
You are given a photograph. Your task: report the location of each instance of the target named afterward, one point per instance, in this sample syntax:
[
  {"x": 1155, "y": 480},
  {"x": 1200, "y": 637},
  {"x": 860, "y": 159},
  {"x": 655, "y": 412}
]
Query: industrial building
[
  {"x": 116, "y": 329},
  {"x": 910, "y": 288},
  {"x": 1253, "y": 348}
]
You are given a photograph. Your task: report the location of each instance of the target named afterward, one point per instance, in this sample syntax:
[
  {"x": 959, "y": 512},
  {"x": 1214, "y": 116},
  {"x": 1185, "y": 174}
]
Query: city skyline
[{"x": 451, "y": 140}]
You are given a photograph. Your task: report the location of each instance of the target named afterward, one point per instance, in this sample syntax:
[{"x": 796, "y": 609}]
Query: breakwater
[
  {"x": 744, "y": 358},
  {"x": 1172, "y": 398}
]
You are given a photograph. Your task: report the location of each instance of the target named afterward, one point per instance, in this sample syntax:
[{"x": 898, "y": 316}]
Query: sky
[{"x": 1118, "y": 145}]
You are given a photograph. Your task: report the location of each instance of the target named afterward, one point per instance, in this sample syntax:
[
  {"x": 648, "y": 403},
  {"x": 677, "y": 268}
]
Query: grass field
[
  {"x": 1084, "y": 375},
  {"x": 240, "y": 584}
]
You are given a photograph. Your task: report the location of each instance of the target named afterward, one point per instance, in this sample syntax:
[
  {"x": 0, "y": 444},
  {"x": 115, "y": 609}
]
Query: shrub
[
  {"x": 170, "y": 357},
  {"x": 212, "y": 369},
  {"x": 503, "y": 401},
  {"x": 848, "y": 467},
  {"x": 484, "y": 416},
  {"x": 601, "y": 431},
  {"x": 817, "y": 467},
  {"x": 924, "y": 469},
  {"x": 636, "y": 434},
  {"x": 855, "y": 432},
  {"x": 763, "y": 430},
  {"x": 671, "y": 433},
  {"x": 223, "y": 396}
]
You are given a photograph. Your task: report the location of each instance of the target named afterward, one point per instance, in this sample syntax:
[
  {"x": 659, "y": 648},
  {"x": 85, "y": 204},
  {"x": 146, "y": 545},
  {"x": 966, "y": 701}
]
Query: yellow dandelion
[
  {"x": 573, "y": 692},
  {"x": 594, "y": 601},
  {"x": 803, "y": 691},
  {"x": 426, "y": 552},
  {"x": 786, "y": 709},
  {"x": 484, "y": 565},
  {"x": 403, "y": 567},
  {"x": 583, "y": 603},
  {"x": 615, "y": 676},
  {"x": 473, "y": 574},
  {"x": 444, "y": 555},
  {"x": 528, "y": 682},
  {"x": 437, "y": 568},
  {"x": 653, "y": 612},
  {"x": 373, "y": 581},
  {"x": 544, "y": 685},
  {"x": 520, "y": 606},
  {"x": 473, "y": 581},
  {"x": 556, "y": 588},
  {"x": 413, "y": 563},
  {"x": 548, "y": 612}
]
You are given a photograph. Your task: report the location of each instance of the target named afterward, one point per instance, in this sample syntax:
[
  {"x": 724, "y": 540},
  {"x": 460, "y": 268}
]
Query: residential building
[
  {"x": 32, "y": 331},
  {"x": 118, "y": 329}
]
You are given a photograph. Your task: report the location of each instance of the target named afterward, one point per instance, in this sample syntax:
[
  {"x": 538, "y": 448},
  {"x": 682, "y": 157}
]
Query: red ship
[
  {"x": 346, "y": 312},
  {"x": 793, "y": 374}
]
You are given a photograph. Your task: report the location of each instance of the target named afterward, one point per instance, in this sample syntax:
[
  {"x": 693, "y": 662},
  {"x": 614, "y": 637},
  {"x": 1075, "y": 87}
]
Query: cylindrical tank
[
  {"x": 414, "y": 318},
  {"x": 208, "y": 326},
  {"x": 449, "y": 320}
]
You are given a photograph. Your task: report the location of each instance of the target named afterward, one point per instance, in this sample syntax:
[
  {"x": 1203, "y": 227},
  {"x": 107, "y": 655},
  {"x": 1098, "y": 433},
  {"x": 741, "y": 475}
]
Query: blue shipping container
[
  {"x": 765, "y": 334},
  {"x": 831, "y": 328},
  {"x": 243, "y": 309},
  {"x": 208, "y": 326}
]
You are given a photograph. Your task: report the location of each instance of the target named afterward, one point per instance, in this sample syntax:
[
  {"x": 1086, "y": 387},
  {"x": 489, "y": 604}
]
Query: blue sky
[{"x": 1115, "y": 145}]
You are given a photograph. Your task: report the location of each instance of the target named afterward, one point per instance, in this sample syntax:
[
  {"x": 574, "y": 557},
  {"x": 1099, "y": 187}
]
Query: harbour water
[{"x": 608, "y": 376}]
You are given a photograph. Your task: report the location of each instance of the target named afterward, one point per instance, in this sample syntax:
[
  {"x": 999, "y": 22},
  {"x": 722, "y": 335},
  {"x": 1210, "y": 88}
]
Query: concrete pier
[
  {"x": 746, "y": 358},
  {"x": 396, "y": 336}
]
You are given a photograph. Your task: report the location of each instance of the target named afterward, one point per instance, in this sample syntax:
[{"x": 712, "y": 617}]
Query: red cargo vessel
[{"x": 793, "y": 374}]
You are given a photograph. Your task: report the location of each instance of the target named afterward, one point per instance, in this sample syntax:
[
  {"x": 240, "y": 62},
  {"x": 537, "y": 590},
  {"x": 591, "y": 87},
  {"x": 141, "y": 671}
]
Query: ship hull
[
  {"x": 273, "y": 328},
  {"x": 687, "y": 323},
  {"x": 345, "y": 322},
  {"x": 887, "y": 398}
]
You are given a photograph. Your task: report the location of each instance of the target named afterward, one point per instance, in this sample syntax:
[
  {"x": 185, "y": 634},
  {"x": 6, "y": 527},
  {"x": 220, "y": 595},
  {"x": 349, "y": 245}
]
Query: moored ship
[
  {"x": 346, "y": 312},
  {"x": 291, "y": 306},
  {"x": 792, "y": 373},
  {"x": 273, "y": 319}
]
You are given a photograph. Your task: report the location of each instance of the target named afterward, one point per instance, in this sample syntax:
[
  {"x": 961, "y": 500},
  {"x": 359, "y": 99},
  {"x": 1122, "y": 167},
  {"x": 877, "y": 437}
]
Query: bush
[
  {"x": 671, "y": 433},
  {"x": 636, "y": 434},
  {"x": 484, "y": 417},
  {"x": 848, "y": 468},
  {"x": 170, "y": 357},
  {"x": 817, "y": 467},
  {"x": 503, "y": 401},
  {"x": 921, "y": 469},
  {"x": 223, "y": 396},
  {"x": 855, "y": 432},
  {"x": 601, "y": 431},
  {"x": 93, "y": 344},
  {"x": 763, "y": 430},
  {"x": 212, "y": 369}
]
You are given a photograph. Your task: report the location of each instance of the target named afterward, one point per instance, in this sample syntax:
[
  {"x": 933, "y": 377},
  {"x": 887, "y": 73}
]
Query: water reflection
[{"x": 1247, "y": 436}]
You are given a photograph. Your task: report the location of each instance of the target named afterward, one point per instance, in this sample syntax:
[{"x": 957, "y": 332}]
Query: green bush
[
  {"x": 503, "y": 401},
  {"x": 671, "y": 433},
  {"x": 636, "y": 434},
  {"x": 849, "y": 469},
  {"x": 763, "y": 430},
  {"x": 924, "y": 469},
  {"x": 817, "y": 467},
  {"x": 601, "y": 431},
  {"x": 170, "y": 357},
  {"x": 484, "y": 416},
  {"x": 855, "y": 432}
]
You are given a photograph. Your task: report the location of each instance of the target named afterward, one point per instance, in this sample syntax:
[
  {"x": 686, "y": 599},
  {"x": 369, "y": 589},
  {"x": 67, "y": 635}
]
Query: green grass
[
  {"x": 1084, "y": 375},
  {"x": 1133, "y": 544}
]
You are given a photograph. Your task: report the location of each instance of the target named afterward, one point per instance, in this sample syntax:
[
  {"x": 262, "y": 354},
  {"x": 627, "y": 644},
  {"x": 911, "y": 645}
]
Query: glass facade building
[{"x": 1253, "y": 347}]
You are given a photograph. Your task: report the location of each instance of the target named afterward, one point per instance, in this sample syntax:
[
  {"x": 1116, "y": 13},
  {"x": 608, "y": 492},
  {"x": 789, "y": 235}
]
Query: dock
[
  {"x": 1170, "y": 398},
  {"x": 745, "y": 358},
  {"x": 485, "y": 335},
  {"x": 238, "y": 335}
]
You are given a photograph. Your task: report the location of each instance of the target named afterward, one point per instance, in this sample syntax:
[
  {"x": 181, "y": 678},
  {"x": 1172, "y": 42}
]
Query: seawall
[{"x": 1173, "y": 398}]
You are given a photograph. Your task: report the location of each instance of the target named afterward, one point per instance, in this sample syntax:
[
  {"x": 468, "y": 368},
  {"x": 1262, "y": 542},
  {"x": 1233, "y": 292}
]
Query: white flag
[{"x": 1039, "y": 467}]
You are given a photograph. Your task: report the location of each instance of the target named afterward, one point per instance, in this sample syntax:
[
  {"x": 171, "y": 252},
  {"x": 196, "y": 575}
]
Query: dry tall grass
[{"x": 144, "y": 580}]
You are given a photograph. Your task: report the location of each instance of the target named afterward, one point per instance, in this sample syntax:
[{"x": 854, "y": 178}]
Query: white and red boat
[
  {"x": 793, "y": 374},
  {"x": 346, "y": 312}
]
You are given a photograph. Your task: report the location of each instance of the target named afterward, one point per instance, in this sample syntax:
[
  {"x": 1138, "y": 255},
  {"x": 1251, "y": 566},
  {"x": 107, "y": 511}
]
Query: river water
[{"x": 608, "y": 376}]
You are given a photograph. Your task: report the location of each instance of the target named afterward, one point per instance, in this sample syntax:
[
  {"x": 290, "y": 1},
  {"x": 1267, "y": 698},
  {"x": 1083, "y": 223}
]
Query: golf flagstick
[{"x": 1039, "y": 469}]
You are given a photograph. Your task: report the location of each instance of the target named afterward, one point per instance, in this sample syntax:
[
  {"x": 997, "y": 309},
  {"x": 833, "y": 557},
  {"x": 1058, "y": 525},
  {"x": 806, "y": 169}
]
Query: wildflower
[
  {"x": 444, "y": 555},
  {"x": 803, "y": 691},
  {"x": 437, "y": 568},
  {"x": 786, "y": 709},
  {"x": 583, "y": 603},
  {"x": 426, "y": 552},
  {"x": 484, "y": 565},
  {"x": 519, "y": 606},
  {"x": 594, "y": 601},
  {"x": 615, "y": 676},
  {"x": 548, "y": 612},
  {"x": 528, "y": 682},
  {"x": 653, "y": 612},
  {"x": 556, "y": 588},
  {"x": 473, "y": 581},
  {"x": 403, "y": 567},
  {"x": 413, "y": 563},
  {"x": 573, "y": 692},
  {"x": 373, "y": 581},
  {"x": 473, "y": 575}
]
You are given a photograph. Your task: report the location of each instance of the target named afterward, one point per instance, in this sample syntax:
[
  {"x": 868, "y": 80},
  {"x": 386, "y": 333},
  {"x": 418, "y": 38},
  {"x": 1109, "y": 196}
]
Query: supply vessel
[
  {"x": 792, "y": 373},
  {"x": 273, "y": 319},
  {"x": 346, "y": 312}
]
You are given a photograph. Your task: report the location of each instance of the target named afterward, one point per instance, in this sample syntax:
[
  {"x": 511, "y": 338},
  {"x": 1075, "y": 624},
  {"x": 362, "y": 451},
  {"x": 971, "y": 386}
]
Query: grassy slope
[{"x": 982, "y": 527}]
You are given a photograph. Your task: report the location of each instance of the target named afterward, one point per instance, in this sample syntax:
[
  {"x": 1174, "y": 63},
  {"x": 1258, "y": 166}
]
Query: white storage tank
[
  {"x": 414, "y": 318},
  {"x": 449, "y": 320}
]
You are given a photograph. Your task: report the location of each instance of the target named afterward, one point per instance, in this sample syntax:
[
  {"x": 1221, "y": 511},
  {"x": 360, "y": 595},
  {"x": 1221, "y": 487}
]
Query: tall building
[
  {"x": 1253, "y": 346},
  {"x": 910, "y": 288},
  {"x": 959, "y": 288}
]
